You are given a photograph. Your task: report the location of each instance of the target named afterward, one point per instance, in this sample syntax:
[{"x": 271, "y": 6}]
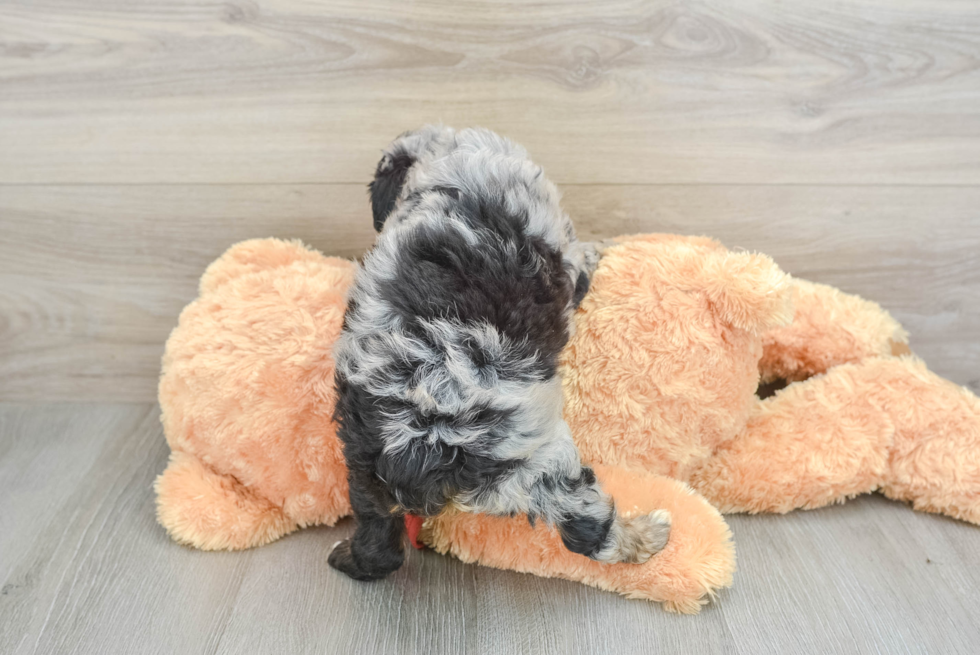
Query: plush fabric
[
  {"x": 698, "y": 560},
  {"x": 247, "y": 399},
  {"x": 670, "y": 345},
  {"x": 664, "y": 363}
]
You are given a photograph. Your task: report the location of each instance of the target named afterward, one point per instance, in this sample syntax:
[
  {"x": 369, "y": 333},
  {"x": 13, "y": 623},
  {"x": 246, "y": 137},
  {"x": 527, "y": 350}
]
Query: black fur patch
[
  {"x": 581, "y": 288},
  {"x": 511, "y": 281},
  {"x": 585, "y": 535},
  {"x": 389, "y": 177},
  {"x": 769, "y": 389},
  {"x": 425, "y": 476}
]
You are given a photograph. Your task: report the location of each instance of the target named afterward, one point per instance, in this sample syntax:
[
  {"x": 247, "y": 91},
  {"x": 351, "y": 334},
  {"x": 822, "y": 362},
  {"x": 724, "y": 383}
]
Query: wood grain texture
[
  {"x": 627, "y": 91},
  {"x": 92, "y": 278},
  {"x": 84, "y": 568}
]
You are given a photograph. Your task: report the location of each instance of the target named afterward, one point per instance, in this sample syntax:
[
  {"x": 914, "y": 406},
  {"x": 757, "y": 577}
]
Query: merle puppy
[{"x": 448, "y": 393}]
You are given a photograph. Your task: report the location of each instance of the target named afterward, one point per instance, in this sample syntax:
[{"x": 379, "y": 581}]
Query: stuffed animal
[
  {"x": 670, "y": 347},
  {"x": 660, "y": 381}
]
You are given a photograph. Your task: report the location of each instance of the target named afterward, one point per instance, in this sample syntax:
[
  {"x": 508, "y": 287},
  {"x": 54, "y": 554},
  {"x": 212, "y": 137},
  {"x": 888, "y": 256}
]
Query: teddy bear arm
[
  {"x": 829, "y": 328},
  {"x": 698, "y": 560}
]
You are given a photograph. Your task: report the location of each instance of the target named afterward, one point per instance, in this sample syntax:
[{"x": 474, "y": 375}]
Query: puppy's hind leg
[
  {"x": 375, "y": 550},
  {"x": 568, "y": 496},
  {"x": 589, "y": 525}
]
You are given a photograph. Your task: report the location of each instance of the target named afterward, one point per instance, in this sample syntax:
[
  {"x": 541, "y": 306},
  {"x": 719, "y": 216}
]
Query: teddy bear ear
[
  {"x": 252, "y": 256},
  {"x": 749, "y": 289}
]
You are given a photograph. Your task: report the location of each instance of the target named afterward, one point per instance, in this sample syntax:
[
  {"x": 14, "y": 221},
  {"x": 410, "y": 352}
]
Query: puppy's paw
[
  {"x": 650, "y": 535},
  {"x": 343, "y": 558},
  {"x": 635, "y": 539}
]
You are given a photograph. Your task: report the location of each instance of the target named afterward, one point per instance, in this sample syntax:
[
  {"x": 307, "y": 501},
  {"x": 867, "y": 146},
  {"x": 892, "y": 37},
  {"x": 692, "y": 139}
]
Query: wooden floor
[
  {"x": 140, "y": 138},
  {"x": 85, "y": 569}
]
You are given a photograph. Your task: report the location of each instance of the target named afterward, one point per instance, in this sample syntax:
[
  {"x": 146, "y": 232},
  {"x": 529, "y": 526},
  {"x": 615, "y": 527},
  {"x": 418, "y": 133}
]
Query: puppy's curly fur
[{"x": 447, "y": 365}]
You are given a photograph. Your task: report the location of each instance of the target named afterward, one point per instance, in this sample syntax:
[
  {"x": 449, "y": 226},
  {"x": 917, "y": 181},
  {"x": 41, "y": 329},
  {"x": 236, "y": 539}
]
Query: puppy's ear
[{"x": 389, "y": 178}]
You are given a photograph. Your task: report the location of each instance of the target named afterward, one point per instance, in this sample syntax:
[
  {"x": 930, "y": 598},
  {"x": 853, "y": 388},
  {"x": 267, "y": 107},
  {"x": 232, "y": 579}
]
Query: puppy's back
[{"x": 453, "y": 331}]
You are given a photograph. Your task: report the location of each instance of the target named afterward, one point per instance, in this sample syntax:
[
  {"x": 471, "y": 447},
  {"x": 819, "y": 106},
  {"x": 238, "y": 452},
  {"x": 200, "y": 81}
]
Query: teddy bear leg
[
  {"x": 935, "y": 456},
  {"x": 210, "y": 511},
  {"x": 829, "y": 328},
  {"x": 814, "y": 443}
]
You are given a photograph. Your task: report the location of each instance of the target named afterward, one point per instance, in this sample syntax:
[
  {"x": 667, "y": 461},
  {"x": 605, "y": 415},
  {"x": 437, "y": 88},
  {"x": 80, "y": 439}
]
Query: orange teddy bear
[{"x": 660, "y": 379}]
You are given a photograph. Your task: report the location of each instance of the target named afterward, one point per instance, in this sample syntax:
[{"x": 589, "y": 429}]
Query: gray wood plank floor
[{"x": 84, "y": 568}]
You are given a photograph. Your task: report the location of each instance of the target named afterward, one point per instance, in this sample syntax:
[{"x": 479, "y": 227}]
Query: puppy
[{"x": 447, "y": 385}]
